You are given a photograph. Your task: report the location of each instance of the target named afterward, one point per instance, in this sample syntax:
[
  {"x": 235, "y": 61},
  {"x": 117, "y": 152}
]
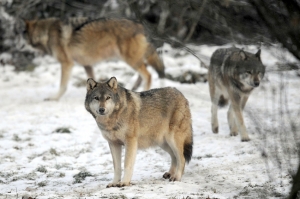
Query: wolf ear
[
  {"x": 258, "y": 54},
  {"x": 27, "y": 23},
  {"x": 243, "y": 55},
  {"x": 90, "y": 84},
  {"x": 113, "y": 83}
]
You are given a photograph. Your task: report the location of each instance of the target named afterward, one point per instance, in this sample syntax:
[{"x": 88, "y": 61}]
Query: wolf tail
[
  {"x": 188, "y": 149},
  {"x": 154, "y": 60}
]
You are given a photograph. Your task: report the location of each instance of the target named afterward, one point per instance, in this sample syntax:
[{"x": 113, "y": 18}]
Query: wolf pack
[{"x": 139, "y": 120}]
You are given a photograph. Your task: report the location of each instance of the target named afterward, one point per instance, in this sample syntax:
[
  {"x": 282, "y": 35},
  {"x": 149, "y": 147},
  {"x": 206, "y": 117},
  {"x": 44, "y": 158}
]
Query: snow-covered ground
[{"x": 39, "y": 161}]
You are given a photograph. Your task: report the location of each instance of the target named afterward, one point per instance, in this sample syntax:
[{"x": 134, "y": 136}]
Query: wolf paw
[
  {"x": 216, "y": 129},
  {"x": 167, "y": 175},
  {"x": 111, "y": 185},
  {"x": 234, "y": 133},
  {"x": 119, "y": 184},
  {"x": 245, "y": 139},
  {"x": 50, "y": 99},
  {"x": 123, "y": 184},
  {"x": 173, "y": 178}
]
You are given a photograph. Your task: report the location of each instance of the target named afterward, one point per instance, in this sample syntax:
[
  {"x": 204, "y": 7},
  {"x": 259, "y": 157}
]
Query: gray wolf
[
  {"x": 139, "y": 120},
  {"x": 232, "y": 76},
  {"x": 87, "y": 42}
]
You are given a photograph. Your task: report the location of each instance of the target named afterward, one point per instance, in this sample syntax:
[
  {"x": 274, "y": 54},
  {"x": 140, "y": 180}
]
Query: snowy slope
[{"x": 37, "y": 161}]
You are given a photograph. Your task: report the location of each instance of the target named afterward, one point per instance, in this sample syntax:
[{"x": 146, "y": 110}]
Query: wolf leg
[
  {"x": 214, "y": 118},
  {"x": 232, "y": 122},
  {"x": 172, "y": 169},
  {"x": 116, "y": 152},
  {"x": 130, "y": 154},
  {"x": 177, "y": 147},
  {"x": 89, "y": 71},
  {"x": 214, "y": 96},
  {"x": 244, "y": 101},
  {"x": 66, "y": 69},
  {"x": 140, "y": 67},
  {"x": 142, "y": 70},
  {"x": 137, "y": 83},
  {"x": 238, "y": 114}
]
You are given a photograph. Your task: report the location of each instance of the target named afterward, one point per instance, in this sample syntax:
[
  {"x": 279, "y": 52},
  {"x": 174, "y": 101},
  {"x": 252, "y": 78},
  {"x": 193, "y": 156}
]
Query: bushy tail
[
  {"x": 154, "y": 60},
  {"x": 188, "y": 149}
]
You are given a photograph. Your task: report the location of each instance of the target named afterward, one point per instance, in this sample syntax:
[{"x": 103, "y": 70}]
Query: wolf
[
  {"x": 88, "y": 41},
  {"x": 232, "y": 75},
  {"x": 139, "y": 120}
]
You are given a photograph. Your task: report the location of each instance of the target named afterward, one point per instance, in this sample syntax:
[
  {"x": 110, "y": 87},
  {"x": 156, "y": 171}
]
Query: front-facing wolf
[
  {"x": 88, "y": 41},
  {"x": 233, "y": 74},
  {"x": 139, "y": 120}
]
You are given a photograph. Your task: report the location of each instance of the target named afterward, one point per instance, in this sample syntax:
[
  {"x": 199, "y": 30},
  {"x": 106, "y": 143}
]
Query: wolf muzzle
[
  {"x": 256, "y": 83},
  {"x": 101, "y": 111}
]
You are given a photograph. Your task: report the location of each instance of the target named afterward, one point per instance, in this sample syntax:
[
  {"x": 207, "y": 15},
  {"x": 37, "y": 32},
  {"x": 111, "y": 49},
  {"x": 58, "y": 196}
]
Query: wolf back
[{"x": 88, "y": 42}]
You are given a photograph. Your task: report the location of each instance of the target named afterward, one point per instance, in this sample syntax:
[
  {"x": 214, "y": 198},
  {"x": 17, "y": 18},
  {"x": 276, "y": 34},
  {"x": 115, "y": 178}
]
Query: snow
[{"x": 39, "y": 162}]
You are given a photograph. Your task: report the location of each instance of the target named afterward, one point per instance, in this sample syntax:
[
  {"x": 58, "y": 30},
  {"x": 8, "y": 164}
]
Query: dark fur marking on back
[
  {"x": 146, "y": 94},
  {"x": 88, "y": 22}
]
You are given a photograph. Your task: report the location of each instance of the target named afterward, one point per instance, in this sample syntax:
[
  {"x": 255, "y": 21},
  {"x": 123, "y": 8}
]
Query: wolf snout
[
  {"x": 101, "y": 111},
  {"x": 256, "y": 84}
]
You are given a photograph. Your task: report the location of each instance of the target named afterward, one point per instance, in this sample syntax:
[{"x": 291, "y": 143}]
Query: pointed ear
[
  {"x": 30, "y": 23},
  {"x": 113, "y": 83},
  {"x": 258, "y": 54},
  {"x": 27, "y": 23},
  {"x": 243, "y": 55},
  {"x": 90, "y": 84}
]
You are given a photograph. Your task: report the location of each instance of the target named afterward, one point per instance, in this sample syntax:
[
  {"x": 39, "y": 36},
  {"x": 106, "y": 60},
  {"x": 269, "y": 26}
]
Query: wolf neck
[{"x": 240, "y": 87}]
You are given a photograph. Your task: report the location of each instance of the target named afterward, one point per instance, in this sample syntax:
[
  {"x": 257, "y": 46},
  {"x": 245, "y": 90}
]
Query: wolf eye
[
  {"x": 108, "y": 97},
  {"x": 96, "y": 98}
]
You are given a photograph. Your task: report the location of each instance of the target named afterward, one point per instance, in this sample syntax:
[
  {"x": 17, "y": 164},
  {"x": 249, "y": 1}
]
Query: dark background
[{"x": 211, "y": 22}]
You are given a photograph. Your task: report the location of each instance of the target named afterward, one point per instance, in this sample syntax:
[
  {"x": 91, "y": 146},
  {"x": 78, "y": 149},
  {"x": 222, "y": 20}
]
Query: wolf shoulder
[{"x": 220, "y": 54}]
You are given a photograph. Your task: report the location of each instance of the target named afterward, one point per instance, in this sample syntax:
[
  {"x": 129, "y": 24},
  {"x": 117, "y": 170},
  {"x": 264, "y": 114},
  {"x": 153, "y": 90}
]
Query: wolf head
[
  {"x": 33, "y": 35},
  {"x": 102, "y": 98},
  {"x": 248, "y": 68}
]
